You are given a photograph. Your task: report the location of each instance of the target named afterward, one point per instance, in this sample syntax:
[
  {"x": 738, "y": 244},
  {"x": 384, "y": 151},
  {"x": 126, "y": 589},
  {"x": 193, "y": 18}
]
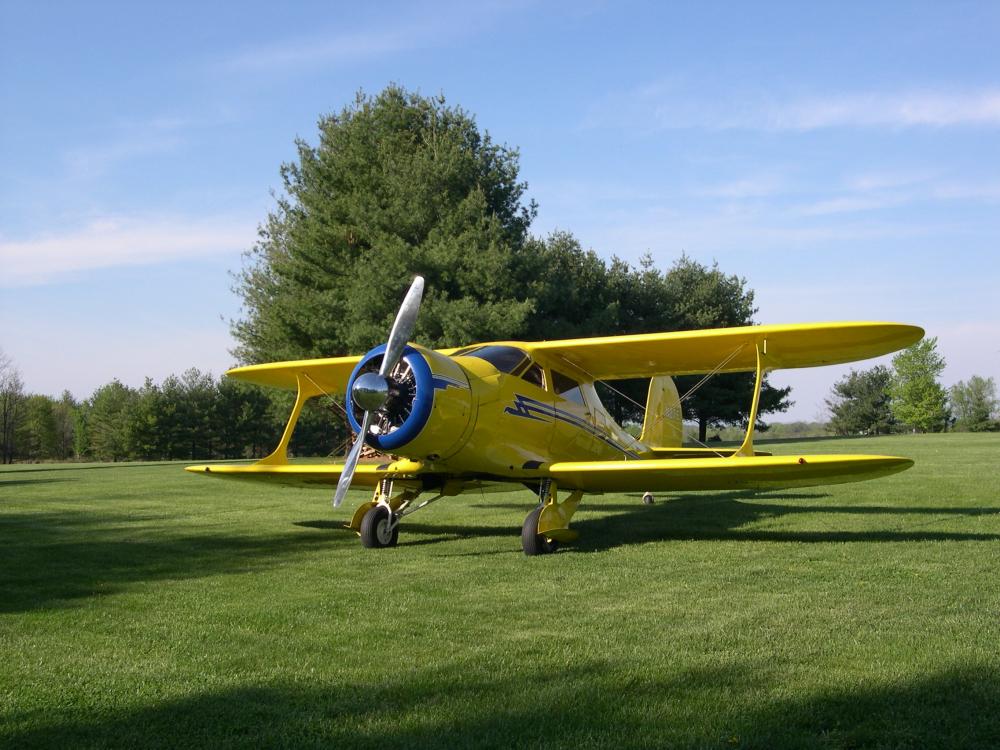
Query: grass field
[{"x": 142, "y": 606}]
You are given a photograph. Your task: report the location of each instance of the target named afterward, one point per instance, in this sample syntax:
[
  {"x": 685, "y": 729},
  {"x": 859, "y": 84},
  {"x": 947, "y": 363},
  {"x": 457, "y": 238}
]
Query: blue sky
[{"x": 845, "y": 159}]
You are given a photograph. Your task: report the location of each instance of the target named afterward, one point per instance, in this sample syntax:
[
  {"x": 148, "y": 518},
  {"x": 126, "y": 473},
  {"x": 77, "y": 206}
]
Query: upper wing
[
  {"x": 701, "y": 351},
  {"x": 729, "y": 473},
  {"x": 647, "y": 354},
  {"x": 330, "y": 374}
]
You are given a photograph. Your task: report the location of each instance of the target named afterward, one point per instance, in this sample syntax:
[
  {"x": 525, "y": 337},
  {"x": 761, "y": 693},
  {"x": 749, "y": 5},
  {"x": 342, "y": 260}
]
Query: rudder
[{"x": 663, "y": 425}]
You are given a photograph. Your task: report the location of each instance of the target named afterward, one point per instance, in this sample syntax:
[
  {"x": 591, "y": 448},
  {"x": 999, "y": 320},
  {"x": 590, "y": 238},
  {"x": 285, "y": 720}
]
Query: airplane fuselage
[{"x": 506, "y": 414}]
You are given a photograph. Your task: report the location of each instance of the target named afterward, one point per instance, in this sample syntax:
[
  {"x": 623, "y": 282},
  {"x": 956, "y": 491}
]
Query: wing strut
[
  {"x": 307, "y": 389},
  {"x": 747, "y": 448}
]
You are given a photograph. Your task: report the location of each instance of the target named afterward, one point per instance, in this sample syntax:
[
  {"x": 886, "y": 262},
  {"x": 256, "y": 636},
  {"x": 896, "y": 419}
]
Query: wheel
[
  {"x": 375, "y": 529},
  {"x": 648, "y": 499},
  {"x": 533, "y": 542}
]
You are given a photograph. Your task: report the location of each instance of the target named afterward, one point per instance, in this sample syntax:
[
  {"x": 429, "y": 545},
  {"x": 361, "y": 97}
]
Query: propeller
[{"x": 371, "y": 390}]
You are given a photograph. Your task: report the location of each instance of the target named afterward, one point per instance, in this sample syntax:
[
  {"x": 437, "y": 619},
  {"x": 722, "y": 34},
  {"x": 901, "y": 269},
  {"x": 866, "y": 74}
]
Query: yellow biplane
[{"x": 527, "y": 413}]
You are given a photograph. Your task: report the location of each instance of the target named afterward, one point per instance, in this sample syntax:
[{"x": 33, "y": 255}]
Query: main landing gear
[
  {"x": 548, "y": 524},
  {"x": 377, "y": 521},
  {"x": 532, "y": 542},
  {"x": 379, "y": 528},
  {"x": 545, "y": 528}
]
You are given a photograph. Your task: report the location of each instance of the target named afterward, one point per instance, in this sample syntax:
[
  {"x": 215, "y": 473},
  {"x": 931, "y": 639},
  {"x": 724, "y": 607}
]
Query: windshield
[{"x": 504, "y": 358}]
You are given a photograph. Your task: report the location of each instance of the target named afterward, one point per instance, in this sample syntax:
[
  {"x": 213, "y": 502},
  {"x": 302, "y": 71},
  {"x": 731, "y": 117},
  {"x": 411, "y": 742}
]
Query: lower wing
[
  {"x": 651, "y": 475},
  {"x": 731, "y": 472},
  {"x": 303, "y": 475}
]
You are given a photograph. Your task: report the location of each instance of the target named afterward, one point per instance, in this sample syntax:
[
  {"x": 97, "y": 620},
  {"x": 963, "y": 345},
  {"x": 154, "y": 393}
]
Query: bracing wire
[
  {"x": 673, "y": 411},
  {"x": 343, "y": 411}
]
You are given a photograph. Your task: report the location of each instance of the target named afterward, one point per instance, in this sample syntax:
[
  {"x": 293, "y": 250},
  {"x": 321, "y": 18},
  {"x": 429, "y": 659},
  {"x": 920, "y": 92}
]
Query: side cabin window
[
  {"x": 568, "y": 388},
  {"x": 534, "y": 375}
]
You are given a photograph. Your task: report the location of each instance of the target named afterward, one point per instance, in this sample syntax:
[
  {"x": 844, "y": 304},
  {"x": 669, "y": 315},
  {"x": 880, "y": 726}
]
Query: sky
[{"x": 843, "y": 158}]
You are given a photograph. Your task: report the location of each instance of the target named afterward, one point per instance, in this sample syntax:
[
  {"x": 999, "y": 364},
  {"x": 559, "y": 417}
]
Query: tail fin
[{"x": 663, "y": 425}]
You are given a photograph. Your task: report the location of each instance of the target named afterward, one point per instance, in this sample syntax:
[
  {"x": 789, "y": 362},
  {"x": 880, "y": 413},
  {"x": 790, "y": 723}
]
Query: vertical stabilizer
[{"x": 663, "y": 425}]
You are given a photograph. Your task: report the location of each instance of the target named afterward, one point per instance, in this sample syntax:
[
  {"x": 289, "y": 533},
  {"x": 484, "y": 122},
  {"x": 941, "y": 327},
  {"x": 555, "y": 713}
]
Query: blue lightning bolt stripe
[
  {"x": 530, "y": 408},
  {"x": 443, "y": 383}
]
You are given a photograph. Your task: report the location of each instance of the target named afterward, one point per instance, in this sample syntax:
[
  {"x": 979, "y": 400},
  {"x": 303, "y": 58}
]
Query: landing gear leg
[
  {"x": 377, "y": 521},
  {"x": 548, "y": 524}
]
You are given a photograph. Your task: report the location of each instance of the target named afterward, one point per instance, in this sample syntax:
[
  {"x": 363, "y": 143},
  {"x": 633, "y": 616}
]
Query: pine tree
[{"x": 918, "y": 399}]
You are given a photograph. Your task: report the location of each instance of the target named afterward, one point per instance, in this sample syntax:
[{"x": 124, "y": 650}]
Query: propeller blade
[
  {"x": 352, "y": 462},
  {"x": 402, "y": 329}
]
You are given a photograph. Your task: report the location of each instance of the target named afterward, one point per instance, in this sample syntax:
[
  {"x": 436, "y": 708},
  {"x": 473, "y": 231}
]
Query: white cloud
[
  {"x": 345, "y": 47},
  {"x": 421, "y": 27},
  {"x": 675, "y": 105},
  {"x": 988, "y": 192},
  {"x": 850, "y": 204},
  {"x": 117, "y": 241},
  {"x": 755, "y": 186},
  {"x": 867, "y": 182},
  {"x": 132, "y": 140},
  {"x": 893, "y": 110}
]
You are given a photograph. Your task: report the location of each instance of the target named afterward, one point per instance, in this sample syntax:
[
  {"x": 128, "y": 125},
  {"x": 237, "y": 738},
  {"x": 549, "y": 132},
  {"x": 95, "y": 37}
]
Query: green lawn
[{"x": 143, "y": 606}]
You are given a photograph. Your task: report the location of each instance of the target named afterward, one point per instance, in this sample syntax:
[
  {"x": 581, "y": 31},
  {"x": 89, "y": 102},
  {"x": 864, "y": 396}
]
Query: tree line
[
  {"x": 909, "y": 397},
  {"x": 192, "y": 416}
]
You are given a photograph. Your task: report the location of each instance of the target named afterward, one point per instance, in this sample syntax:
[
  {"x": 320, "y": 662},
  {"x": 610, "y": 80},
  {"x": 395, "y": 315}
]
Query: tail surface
[{"x": 663, "y": 425}]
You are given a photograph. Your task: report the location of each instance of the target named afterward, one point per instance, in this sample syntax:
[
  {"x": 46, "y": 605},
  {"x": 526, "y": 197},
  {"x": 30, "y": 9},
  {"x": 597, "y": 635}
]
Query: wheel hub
[{"x": 383, "y": 531}]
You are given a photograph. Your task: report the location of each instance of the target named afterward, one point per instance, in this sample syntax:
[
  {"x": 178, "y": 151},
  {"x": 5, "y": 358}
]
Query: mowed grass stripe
[{"x": 143, "y": 606}]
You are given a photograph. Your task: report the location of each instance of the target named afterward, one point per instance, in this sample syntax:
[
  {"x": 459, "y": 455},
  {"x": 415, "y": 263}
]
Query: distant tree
[
  {"x": 81, "y": 430},
  {"x": 860, "y": 404},
  {"x": 147, "y": 418},
  {"x": 36, "y": 435},
  {"x": 108, "y": 417},
  {"x": 704, "y": 297},
  {"x": 726, "y": 400},
  {"x": 974, "y": 404},
  {"x": 198, "y": 410},
  {"x": 570, "y": 290},
  {"x": 64, "y": 416},
  {"x": 12, "y": 398},
  {"x": 172, "y": 419},
  {"x": 918, "y": 399},
  {"x": 244, "y": 425}
]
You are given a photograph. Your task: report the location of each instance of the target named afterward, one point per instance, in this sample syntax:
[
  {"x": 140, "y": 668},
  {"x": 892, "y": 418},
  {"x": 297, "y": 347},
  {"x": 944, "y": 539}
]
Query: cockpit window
[
  {"x": 504, "y": 358},
  {"x": 568, "y": 388},
  {"x": 534, "y": 375}
]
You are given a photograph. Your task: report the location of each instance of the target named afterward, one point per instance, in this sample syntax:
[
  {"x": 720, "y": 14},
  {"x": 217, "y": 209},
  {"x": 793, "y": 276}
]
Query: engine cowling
[{"x": 429, "y": 408}]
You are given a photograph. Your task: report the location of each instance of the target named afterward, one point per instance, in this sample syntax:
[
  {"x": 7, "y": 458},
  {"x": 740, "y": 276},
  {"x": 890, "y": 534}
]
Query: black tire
[
  {"x": 373, "y": 525},
  {"x": 648, "y": 499},
  {"x": 532, "y": 542}
]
